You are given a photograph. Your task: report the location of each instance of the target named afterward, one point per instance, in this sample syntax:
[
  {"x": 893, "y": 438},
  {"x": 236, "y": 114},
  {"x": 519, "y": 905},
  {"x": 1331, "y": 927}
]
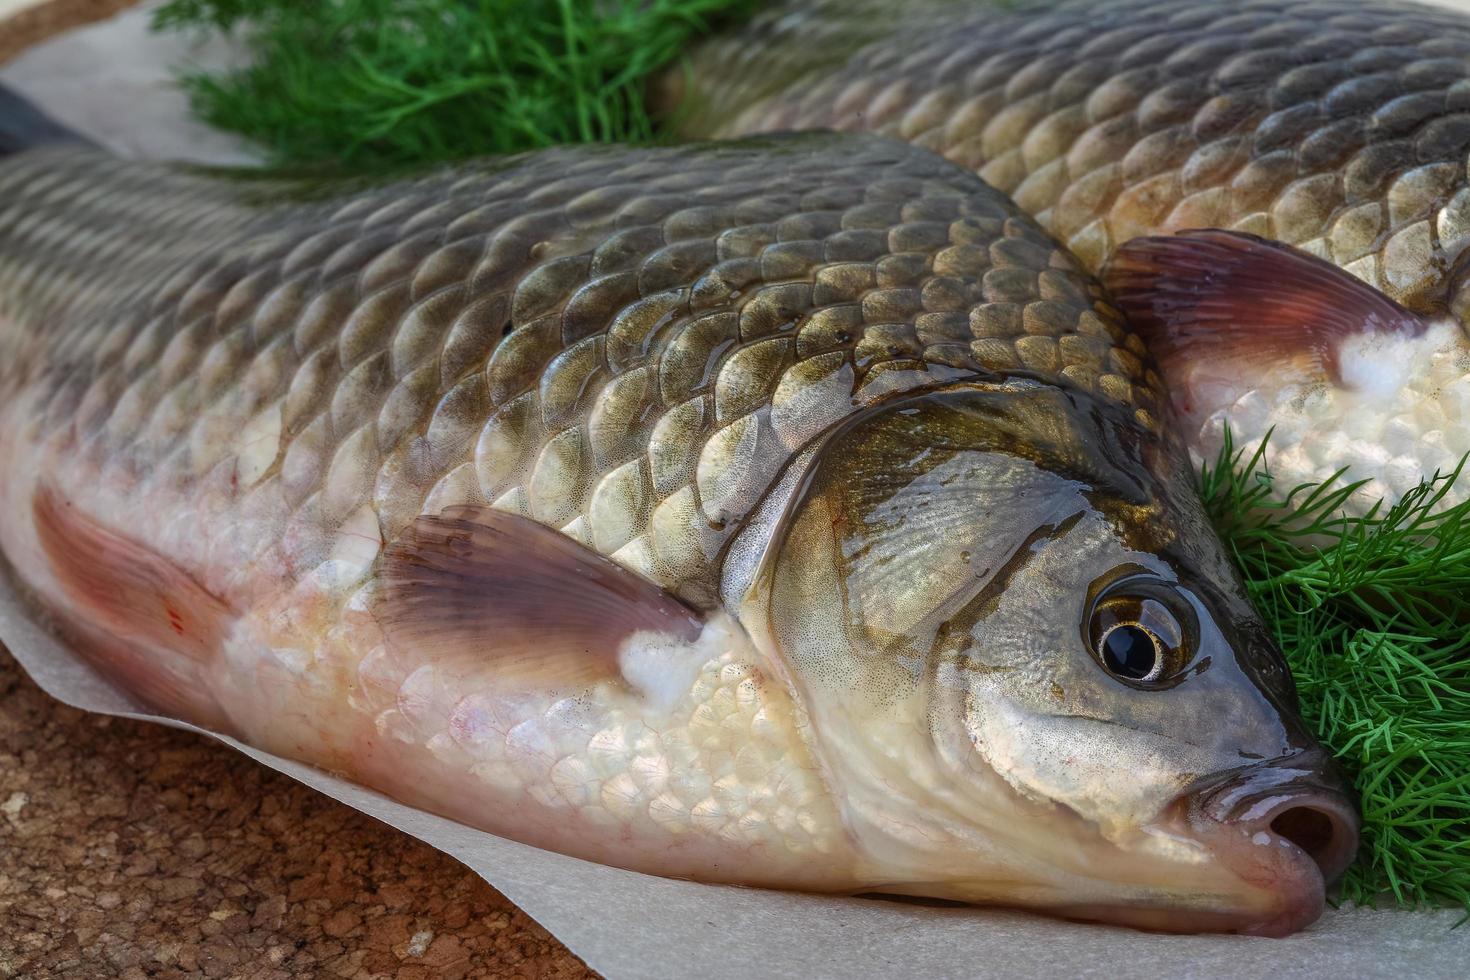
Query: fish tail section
[{"x": 23, "y": 126}]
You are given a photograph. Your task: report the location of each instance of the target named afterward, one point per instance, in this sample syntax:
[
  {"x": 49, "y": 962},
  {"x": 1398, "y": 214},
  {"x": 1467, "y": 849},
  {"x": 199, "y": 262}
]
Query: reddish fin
[
  {"x": 140, "y": 618},
  {"x": 1221, "y": 296},
  {"x": 482, "y": 583}
]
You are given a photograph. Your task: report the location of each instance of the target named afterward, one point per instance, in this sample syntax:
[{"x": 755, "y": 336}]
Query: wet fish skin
[
  {"x": 285, "y": 461},
  {"x": 597, "y": 317},
  {"x": 1336, "y": 126}
]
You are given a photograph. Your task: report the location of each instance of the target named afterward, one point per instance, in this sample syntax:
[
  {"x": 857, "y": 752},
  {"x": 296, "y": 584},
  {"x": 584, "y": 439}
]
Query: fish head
[{"x": 1032, "y": 675}]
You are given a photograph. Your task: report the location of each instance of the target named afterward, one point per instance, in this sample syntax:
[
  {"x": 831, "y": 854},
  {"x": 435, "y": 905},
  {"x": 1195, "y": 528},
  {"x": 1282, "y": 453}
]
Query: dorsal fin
[
  {"x": 482, "y": 583},
  {"x": 1227, "y": 298}
]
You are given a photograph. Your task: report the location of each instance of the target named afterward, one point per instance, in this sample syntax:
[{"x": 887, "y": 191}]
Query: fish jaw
[
  {"x": 1279, "y": 867},
  {"x": 1278, "y": 830},
  {"x": 920, "y": 831},
  {"x": 1254, "y": 864}
]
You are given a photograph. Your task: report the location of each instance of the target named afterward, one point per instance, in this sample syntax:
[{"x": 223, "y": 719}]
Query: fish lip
[
  {"x": 1285, "y": 829},
  {"x": 1259, "y": 796}
]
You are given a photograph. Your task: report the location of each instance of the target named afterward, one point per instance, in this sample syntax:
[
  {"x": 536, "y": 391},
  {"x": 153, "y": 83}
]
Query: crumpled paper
[{"x": 112, "y": 81}]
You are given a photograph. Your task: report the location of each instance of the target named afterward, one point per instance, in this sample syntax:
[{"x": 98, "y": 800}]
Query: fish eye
[
  {"x": 1138, "y": 638},
  {"x": 1132, "y": 651}
]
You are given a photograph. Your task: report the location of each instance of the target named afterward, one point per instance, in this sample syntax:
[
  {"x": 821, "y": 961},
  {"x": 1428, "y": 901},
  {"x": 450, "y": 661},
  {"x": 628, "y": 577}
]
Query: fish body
[
  {"x": 789, "y": 512},
  {"x": 1338, "y": 127}
]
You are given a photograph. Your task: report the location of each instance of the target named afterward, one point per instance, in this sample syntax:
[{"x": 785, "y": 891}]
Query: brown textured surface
[
  {"x": 135, "y": 851},
  {"x": 35, "y": 24}
]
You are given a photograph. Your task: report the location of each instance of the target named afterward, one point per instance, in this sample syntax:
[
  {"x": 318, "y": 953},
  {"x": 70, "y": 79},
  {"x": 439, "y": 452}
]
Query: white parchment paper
[{"x": 113, "y": 82}]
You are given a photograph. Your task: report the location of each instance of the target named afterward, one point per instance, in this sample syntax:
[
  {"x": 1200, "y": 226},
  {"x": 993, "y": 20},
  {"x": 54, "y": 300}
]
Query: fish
[
  {"x": 1274, "y": 191},
  {"x": 789, "y": 512}
]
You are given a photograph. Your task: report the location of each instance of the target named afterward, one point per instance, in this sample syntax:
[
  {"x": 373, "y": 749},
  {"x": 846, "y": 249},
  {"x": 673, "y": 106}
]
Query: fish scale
[
  {"x": 614, "y": 343},
  {"x": 1341, "y": 128}
]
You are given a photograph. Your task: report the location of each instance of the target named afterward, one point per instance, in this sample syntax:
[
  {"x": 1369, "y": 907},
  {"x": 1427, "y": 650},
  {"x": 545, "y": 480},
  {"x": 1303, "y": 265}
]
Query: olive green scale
[
  {"x": 1338, "y": 126},
  {"x": 625, "y": 344}
]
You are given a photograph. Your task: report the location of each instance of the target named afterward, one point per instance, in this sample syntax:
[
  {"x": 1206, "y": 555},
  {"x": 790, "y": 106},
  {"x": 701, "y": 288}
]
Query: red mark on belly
[{"x": 142, "y": 618}]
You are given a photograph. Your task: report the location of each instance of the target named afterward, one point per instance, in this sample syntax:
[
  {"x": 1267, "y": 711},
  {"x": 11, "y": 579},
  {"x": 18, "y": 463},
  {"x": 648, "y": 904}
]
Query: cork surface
[
  {"x": 25, "y": 22},
  {"x": 131, "y": 850}
]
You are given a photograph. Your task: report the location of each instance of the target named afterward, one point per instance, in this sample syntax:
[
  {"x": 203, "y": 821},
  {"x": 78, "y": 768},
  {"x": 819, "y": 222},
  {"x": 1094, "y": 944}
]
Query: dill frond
[
  {"x": 1373, "y": 614},
  {"x": 367, "y": 84}
]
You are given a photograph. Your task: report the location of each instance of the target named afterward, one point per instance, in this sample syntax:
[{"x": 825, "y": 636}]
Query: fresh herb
[
  {"x": 1373, "y": 614},
  {"x": 373, "y": 83}
]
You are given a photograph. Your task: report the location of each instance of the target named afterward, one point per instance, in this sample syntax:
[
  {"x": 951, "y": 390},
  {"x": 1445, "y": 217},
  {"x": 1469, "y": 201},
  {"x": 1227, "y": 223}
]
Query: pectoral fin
[
  {"x": 482, "y": 583},
  {"x": 1214, "y": 302}
]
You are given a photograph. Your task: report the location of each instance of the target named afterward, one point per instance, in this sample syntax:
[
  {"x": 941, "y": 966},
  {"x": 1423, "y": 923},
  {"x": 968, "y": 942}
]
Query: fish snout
[{"x": 1287, "y": 828}]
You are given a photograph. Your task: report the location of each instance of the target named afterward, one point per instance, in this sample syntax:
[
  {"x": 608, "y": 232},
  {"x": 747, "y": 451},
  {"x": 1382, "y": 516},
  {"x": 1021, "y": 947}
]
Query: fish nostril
[{"x": 1319, "y": 834}]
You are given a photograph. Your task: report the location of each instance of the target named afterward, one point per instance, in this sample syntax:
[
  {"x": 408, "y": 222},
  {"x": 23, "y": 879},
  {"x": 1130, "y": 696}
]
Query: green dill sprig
[
  {"x": 1373, "y": 614},
  {"x": 368, "y": 84}
]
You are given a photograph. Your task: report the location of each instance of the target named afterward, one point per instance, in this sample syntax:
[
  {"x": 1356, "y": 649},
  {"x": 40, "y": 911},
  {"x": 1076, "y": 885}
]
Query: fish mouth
[
  {"x": 1278, "y": 834},
  {"x": 1284, "y": 830}
]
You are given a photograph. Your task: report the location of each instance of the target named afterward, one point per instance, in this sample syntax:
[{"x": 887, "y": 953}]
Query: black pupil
[{"x": 1129, "y": 652}]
